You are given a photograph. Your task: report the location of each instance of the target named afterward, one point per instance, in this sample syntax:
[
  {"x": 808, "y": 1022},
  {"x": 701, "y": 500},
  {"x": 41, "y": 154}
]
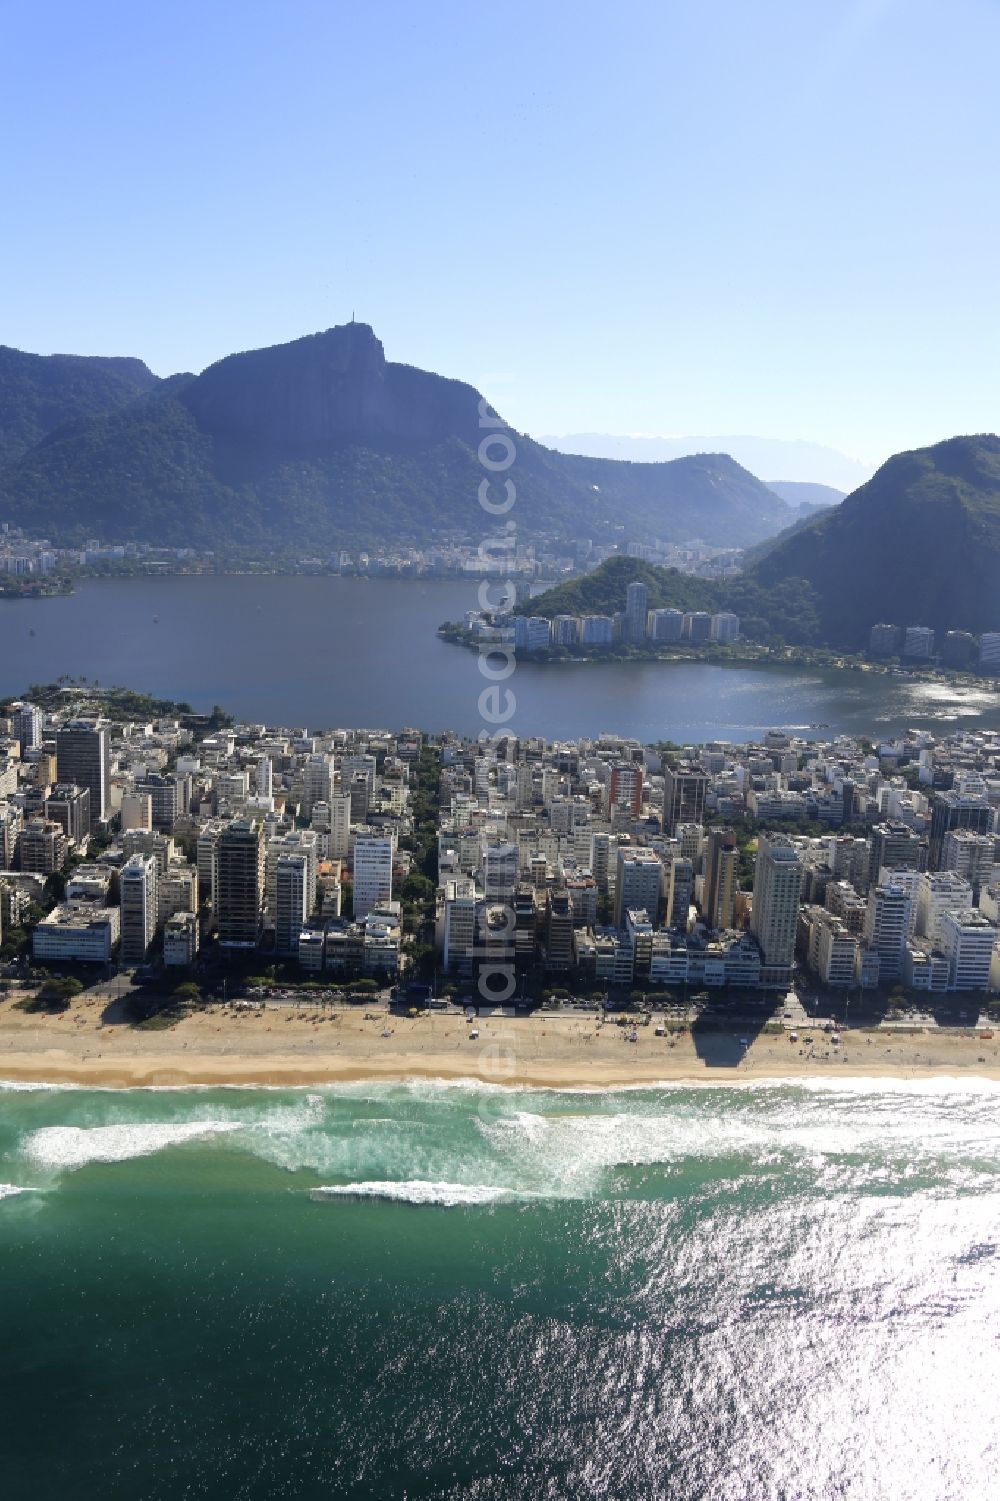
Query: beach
[{"x": 290, "y": 1046}]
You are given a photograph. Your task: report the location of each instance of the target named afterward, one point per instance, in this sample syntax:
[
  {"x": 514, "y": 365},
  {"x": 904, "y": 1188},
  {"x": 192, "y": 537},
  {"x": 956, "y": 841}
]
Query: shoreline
[{"x": 293, "y": 1048}]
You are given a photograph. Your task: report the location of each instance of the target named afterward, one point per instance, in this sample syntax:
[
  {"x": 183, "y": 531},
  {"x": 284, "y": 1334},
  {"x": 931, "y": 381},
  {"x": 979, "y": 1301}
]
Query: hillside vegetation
[
  {"x": 787, "y": 614},
  {"x": 41, "y": 393},
  {"x": 919, "y": 544}
]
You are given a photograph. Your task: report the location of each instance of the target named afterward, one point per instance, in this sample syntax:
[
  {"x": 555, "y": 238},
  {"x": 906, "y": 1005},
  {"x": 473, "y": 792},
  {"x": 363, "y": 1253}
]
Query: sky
[{"x": 777, "y": 217}]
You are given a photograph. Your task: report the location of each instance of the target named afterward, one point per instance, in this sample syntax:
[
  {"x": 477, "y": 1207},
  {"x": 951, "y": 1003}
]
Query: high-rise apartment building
[
  {"x": 883, "y": 640},
  {"x": 989, "y": 651},
  {"x": 293, "y": 902},
  {"x": 340, "y": 826},
  {"x": 26, "y": 727},
  {"x": 240, "y": 883},
  {"x": 372, "y": 874},
  {"x": 967, "y": 939},
  {"x": 558, "y": 933},
  {"x": 317, "y": 782},
  {"x": 894, "y": 846},
  {"x": 626, "y": 787},
  {"x": 501, "y": 866},
  {"x": 83, "y": 756},
  {"x": 938, "y": 892},
  {"x": 69, "y": 805},
  {"x": 971, "y": 855},
  {"x": 638, "y": 883},
  {"x": 957, "y": 810},
  {"x": 42, "y": 846},
  {"x": 459, "y": 926},
  {"x": 169, "y": 794},
  {"x": 138, "y": 908},
  {"x": 722, "y": 860},
  {"x": 777, "y": 885},
  {"x": 725, "y": 626},
  {"x": 665, "y": 625},
  {"x": 697, "y": 626},
  {"x": 684, "y": 787},
  {"x": 636, "y": 609},
  {"x": 680, "y": 891},
  {"x": 918, "y": 642},
  {"x": 887, "y": 924}
]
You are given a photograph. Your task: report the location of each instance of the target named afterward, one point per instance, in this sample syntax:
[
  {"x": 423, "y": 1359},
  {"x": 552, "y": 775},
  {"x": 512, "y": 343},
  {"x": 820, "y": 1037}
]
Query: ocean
[{"x": 437, "y": 1290}]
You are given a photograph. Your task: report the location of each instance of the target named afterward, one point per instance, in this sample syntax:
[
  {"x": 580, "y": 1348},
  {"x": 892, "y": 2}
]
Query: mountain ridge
[
  {"x": 918, "y": 544},
  {"x": 323, "y": 443}
]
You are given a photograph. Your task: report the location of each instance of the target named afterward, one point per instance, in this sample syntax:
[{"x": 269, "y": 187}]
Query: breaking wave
[
  {"x": 418, "y": 1191},
  {"x": 76, "y": 1146}
]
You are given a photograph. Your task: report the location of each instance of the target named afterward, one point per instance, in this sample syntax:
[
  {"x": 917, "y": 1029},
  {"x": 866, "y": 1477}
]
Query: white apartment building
[
  {"x": 968, "y": 940},
  {"x": 77, "y": 934},
  {"x": 639, "y": 881},
  {"x": 887, "y": 924},
  {"x": 939, "y": 892},
  {"x": 180, "y": 939},
  {"x": 138, "y": 907},
  {"x": 372, "y": 875}
]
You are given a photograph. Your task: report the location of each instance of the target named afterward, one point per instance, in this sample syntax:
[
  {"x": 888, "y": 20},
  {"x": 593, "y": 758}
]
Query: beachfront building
[
  {"x": 240, "y": 883},
  {"x": 777, "y": 886},
  {"x": 138, "y": 881},
  {"x": 967, "y": 941},
  {"x": 77, "y": 934},
  {"x": 180, "y": 939}
]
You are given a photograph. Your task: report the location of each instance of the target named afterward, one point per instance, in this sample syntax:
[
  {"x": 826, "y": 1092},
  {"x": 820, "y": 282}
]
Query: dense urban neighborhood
[{"x": 137, "y": 835}]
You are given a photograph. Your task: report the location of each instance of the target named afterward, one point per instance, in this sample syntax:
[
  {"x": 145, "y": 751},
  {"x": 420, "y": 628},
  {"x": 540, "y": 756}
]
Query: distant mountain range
[
  {"x": 318, "y": 444},
  {"x": 806, "y": 497},
  {"x": 791, "y": 461}
]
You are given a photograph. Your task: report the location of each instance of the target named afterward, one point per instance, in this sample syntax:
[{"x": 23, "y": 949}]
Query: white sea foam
[
  {"x": 9, "y": 1190},
  {"x": 75, "y": 1146},
  {"x": 418, "y": 1191}
]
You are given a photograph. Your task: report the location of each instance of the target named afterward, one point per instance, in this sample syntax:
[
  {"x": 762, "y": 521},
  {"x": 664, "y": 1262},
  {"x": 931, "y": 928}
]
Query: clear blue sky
[{"x": 693, "y": 216}]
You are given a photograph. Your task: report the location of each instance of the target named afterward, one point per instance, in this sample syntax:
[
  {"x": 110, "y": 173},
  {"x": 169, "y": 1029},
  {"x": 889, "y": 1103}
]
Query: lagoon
[{"x": 324, "y": 651}]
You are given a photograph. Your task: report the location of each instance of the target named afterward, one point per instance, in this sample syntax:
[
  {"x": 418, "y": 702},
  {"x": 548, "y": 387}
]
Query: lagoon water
[
  {"x": 340, "y": 651},
  {"x": 437, "y": 1291}
]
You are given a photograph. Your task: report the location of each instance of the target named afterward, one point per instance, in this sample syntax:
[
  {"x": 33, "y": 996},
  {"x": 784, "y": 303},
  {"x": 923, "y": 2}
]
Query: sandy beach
[{"x": 287, "y": 1046}]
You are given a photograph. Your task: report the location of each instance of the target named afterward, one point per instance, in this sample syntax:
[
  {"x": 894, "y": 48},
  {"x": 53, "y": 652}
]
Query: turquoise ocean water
[{"x": 443, "y": 1291}]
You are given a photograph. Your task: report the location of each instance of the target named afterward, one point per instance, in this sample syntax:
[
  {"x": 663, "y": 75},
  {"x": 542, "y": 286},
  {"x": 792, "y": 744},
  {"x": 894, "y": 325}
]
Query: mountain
[
  {"x": 810, "y": 496},
  {"x": 797, "y": 461},
  {"x": 323, "y": 443},
  {"x": 764, "y": 613},
  {"x": 40, "y": 393},
  {"x": 919, "y": 544}
]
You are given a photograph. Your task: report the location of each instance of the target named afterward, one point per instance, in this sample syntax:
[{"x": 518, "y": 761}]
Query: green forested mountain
[
  {"x": 919, "y": 544},
  {"x": 766, "y": 615},
  {"x": 40, "y": 393},
  {"x": 323, "y": 443}
]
